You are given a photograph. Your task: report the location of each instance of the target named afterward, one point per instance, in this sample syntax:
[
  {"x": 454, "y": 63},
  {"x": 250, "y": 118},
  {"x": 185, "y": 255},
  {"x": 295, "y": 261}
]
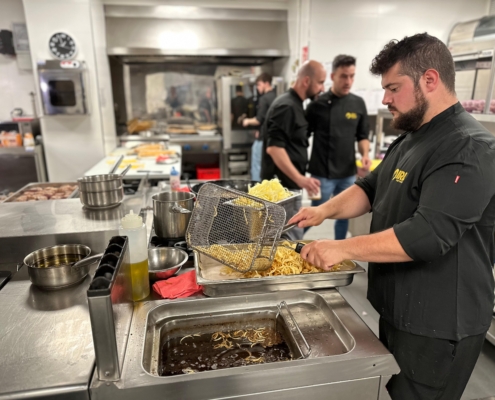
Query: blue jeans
[
  {"x": 256, "y": 153},
  {"x": 332, "y": 187}
]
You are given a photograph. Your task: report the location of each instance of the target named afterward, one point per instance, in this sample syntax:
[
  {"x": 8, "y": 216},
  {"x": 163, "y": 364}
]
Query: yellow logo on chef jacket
[
  {"x": 350, "y": 115},
  {"x": 399, "y": 175}
]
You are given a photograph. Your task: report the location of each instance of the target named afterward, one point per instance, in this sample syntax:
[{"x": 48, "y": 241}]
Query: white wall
[
  {"x": 15, "y": 84},
  {"x": 73, "y": 144},
  {"x": 361, "y": 28}
]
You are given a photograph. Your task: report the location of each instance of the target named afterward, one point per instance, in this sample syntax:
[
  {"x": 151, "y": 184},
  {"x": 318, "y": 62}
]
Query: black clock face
[{"x": 62, "y": 46}]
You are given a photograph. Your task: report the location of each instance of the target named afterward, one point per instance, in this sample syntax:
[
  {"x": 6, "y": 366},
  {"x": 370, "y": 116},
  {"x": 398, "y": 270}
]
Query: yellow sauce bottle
[{"x": 133, "y": 227}]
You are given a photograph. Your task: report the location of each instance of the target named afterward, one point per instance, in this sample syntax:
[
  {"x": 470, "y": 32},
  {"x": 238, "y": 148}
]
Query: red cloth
[{"x": 178, "y": 286}]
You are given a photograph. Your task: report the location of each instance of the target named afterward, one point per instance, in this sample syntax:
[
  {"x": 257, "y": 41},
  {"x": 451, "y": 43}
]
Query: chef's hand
[
  {"x": 324, "y": 253},
  {"x": 310, "y": 184},
  {"x": 308, "y": 216},
  {"x": 366, "y": 162},
  {"x": 241, "y": 119},
  {"x": 245, "y": 122}
]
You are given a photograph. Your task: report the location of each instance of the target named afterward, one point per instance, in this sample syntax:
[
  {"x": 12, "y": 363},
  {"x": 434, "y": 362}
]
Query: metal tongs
[
  {"x": 117, "y": 165},
  {"x": 279, "y": 243}
]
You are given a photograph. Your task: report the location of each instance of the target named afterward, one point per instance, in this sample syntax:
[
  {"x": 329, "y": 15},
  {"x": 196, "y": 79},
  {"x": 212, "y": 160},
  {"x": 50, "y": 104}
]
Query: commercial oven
[
  {"x": 62, "y": 85},
  {"x": 237, "y": 99}
]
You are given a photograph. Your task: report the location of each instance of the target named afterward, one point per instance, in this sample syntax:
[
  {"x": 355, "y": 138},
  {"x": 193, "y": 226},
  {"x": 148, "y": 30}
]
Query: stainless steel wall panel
[{"x": 147, "y": 36}]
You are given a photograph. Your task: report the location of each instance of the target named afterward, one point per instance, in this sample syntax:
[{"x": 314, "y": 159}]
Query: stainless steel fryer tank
[{"x": 347, "y": 360}]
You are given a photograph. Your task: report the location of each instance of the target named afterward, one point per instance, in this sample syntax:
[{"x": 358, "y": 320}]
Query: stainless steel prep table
[
  {"x": 46, "y": 345},
  {"x": 149, "y": 166},
  {"x": 46, "y": 342},
  {"x": 28, "y": 226}
]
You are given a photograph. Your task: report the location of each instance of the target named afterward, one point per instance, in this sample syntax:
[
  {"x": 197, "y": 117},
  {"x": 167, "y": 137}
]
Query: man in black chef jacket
[
  {"x": 431, "y": 244},
  {"x": 338, "y": 119},
  {"x": 285, "y": 138},
  {"x": 267, "y": 95},
  {"x": 239, "y": 108}
]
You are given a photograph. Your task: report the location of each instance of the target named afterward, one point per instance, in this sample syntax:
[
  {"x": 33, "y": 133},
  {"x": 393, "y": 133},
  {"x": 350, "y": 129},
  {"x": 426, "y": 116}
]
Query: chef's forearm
[
  {"x": 252, "y": 121},
  {"x": 382, "y": 247},
  {"x": 364, "y": 147},
  {"x": 351, "y": 203},
  {"x": 283, "y": 162}
]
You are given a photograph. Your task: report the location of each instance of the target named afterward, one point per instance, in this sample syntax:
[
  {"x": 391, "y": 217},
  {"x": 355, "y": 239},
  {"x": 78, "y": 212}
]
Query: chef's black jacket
[
  {"x": 239, "y": 106},
  {"x": 436, "y": 188},
  {"x": 337, "y": 123},
  {"x": 286, "y": 127},
  {"x": 264, "y": 104}
]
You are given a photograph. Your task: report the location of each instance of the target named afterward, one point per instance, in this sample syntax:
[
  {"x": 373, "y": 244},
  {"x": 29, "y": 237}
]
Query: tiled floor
[{"x": 482, "y": 383}]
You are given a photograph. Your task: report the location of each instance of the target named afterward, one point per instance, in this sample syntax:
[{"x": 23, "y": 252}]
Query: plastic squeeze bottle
[
  {"x": 174, "y": 180},
  {"x": 133, "y": 227}
]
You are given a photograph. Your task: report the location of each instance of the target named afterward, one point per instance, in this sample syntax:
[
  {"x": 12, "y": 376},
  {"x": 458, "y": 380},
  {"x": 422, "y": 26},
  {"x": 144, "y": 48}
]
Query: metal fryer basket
[{"x": 234, "y": 228}]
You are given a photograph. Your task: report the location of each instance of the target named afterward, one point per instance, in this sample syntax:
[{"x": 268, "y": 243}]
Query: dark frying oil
[
  {"x": 197, "y": 354},
  {"x": 58, "y": 260}
]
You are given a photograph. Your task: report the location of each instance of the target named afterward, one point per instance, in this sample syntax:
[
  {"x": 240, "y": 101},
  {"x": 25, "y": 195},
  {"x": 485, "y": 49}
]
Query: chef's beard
[
  {"x": 413, "y": 119},
  {"x": 311, "y": 95}
]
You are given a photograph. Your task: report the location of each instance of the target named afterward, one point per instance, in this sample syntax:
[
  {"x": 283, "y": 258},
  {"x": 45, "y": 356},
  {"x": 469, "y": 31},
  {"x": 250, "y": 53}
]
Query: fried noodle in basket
[
  {"x": 285, "y": 262},
  {"x": 235, "y": 228}
]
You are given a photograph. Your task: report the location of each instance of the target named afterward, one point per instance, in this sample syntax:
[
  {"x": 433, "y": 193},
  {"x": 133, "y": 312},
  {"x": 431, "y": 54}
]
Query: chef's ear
[{"x": 431, "y": 79}]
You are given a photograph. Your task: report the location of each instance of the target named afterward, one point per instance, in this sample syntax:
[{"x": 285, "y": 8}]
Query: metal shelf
[
  {"x": 381, "y": 115},
  {"x": 484, "y": 117}
]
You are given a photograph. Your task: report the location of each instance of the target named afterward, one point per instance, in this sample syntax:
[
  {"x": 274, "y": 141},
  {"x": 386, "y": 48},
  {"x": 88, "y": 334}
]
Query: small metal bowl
[
  {"x": 107, "y": 199},
  {"x": 165, "y": 262}
]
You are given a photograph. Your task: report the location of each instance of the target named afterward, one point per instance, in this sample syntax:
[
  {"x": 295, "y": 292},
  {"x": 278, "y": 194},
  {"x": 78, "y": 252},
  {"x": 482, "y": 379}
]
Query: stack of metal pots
[{"x": 102, "y": 191}]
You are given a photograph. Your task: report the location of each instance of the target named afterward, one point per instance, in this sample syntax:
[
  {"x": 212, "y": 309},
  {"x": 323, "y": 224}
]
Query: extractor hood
[
  {"x": 195, "y": 31},
  {"x": 473, "y": 39}
]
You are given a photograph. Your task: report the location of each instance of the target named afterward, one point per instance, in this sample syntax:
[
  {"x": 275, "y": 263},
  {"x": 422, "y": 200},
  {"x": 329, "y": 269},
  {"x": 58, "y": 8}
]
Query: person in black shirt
[
  {"x": 285, "y": 138},
  {"x": 238, "y": 107},
  {"x": 267, "y": 95},
  {"x": 431, "y": 246},
  {"x": 206, "y": 107},
  {"x": 338, "y": 119}
]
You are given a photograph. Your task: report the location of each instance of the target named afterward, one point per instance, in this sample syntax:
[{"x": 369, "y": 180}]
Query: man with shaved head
[{"x": 285, "y": 143}]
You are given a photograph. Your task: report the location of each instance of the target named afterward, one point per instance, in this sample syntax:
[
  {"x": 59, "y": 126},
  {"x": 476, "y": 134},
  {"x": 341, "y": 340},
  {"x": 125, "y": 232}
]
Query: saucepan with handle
[{"x": 60, "y": 266}]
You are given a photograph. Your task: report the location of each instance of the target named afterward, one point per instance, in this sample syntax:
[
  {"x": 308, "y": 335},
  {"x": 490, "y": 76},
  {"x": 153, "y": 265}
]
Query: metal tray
[
  {"x": 21, "y": 191},
  {"x": 295, "y": 195},
  {"x": 242, "y": 286}
]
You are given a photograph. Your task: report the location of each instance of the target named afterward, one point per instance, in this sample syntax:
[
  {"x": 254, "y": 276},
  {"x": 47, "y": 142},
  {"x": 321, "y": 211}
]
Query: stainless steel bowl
[
  {"x": 98, "y": 200},
  {"x": 164, "y": 262},
  {"x": 100, "y": 183},
  {"x": 53, "y": 267}
]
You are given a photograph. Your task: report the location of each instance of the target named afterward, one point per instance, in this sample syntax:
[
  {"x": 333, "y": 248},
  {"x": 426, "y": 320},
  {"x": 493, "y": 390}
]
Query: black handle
[{"x": 299, "y": 247}]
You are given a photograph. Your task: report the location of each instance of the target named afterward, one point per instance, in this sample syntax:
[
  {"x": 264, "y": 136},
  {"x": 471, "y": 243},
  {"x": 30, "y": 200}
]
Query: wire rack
[{"x": 234, "y": 228}]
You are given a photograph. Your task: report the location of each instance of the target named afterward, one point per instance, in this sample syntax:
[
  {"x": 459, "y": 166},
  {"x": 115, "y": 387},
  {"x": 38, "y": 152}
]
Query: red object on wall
[{"x": 305, "y": 54}]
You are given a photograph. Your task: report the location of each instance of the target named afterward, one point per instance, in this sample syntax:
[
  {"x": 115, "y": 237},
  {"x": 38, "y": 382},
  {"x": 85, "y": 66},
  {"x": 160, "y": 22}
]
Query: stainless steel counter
[
  {"x": 28, "y": 226},
  {"x": 361, "y": 373},
  {"x": 46, "y": 345}
]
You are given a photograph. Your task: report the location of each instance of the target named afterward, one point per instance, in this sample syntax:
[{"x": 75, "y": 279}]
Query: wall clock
[{"x": 62, "y": 46}]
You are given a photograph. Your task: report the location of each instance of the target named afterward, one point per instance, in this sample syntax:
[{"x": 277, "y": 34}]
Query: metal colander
[{"x": 234, "y": 228}]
